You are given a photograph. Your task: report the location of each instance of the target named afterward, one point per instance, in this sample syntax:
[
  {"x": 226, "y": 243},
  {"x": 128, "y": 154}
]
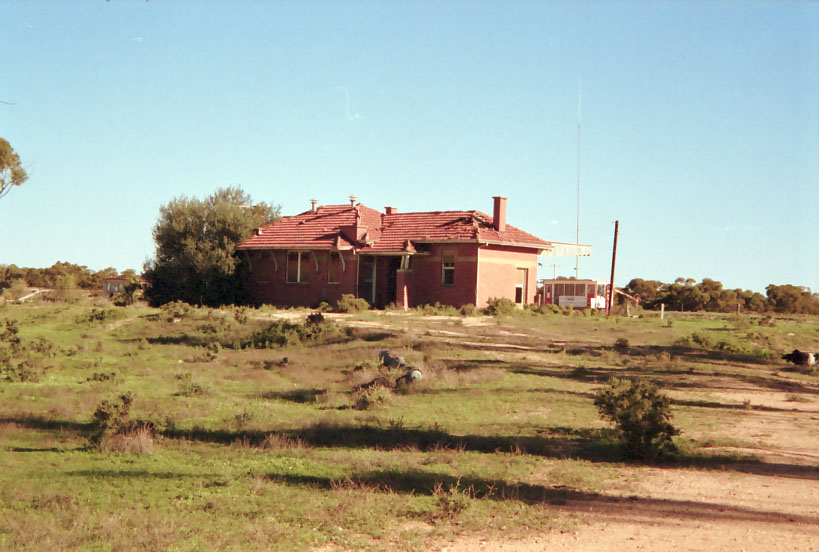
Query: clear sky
[{"x": 700, "y": 123}]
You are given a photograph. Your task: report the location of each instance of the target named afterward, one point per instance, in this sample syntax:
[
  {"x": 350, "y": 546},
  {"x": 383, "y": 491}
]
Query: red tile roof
[{"x": 333, "y": 226}]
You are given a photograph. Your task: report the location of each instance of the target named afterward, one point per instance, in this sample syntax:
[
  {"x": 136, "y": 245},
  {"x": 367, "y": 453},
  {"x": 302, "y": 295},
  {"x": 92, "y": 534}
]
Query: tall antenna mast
[{"x": 577, "y": 238}]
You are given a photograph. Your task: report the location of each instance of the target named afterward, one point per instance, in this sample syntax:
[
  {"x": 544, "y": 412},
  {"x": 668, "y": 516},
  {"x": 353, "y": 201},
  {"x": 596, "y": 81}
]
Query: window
[
  {"x": 297, "y": 267},
  {"x": 448, "y": 270},
  {"x": 601, "y": 290},
  {"x": 335, "y": 267},
  {"x": 580, "y": 290},
  {"x": 520, "y": 286}
]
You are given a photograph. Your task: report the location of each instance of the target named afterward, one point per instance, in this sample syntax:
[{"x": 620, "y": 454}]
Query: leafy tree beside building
[{"x": 195, "y": 244}]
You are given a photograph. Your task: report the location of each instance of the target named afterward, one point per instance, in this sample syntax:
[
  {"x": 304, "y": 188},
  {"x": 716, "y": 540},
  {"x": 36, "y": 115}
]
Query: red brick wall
[
  {"x": 425, "y": 284},
  {"x": 266, "y": 284},
  {"x": 497, "y": 275}
]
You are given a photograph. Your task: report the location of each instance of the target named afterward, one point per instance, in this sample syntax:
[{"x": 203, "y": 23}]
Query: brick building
[{"x": 410, "y": 259}]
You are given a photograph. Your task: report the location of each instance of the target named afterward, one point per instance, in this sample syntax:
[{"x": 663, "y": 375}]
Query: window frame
[
  {"x": 341, "y": 267},
  {"x": 447, "y": 269},
  {"x": 521, "y": 288},
  {"x": 301, "y": 273}
]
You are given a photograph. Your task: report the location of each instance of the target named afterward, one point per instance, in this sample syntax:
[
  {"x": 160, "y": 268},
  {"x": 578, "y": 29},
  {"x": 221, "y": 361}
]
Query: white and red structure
[{"x": 579, "y": 294}]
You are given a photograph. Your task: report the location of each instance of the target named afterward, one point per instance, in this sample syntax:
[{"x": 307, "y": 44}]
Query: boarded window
[
  {"x": 297, "y": 267},
  {"x": 448, "y": 270},
  {"x": 334, "y": 268}
]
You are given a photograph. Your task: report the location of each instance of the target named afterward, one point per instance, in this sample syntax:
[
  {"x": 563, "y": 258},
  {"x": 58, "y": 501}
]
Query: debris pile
[{"x": 388, "y": 361}]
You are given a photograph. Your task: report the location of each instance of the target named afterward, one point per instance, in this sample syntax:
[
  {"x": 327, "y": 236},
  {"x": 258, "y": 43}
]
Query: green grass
[{"x": 252, "y": 452}]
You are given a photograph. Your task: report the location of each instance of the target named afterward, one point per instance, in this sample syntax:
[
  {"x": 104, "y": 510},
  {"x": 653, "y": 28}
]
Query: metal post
[{"x": 613, "y": 259}]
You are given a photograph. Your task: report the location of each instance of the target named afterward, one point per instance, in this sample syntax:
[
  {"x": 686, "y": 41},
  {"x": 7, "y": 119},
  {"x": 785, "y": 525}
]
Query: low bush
[
  {"x": 642, "y": 415},
  {"x": 285, "y": 334},
  {"x": 351, "y": 304},
  {"x": 437, "y": 309},
  {"x": 468, "y": 309},
  {"x": 111, "y": 418},
  {"x": 176, "y": 310},
  {"x": 101, "y": 315},
  {"x": 500, "y": 306},
  {"x": 621, "y": 345}
]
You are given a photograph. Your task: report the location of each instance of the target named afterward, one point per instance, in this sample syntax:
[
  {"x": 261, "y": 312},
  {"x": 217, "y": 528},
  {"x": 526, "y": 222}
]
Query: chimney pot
[
  {"x": 499, "y": 214},
  {"x": 352, "y": 201},
  {"x": 313, "y": 203}
]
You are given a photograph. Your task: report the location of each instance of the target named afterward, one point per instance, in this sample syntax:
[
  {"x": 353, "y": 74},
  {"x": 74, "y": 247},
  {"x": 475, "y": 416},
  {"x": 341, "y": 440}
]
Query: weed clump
[
  {"x": 370, "y": 397},
  {"x": 642, "y": 415},
  {"x": 454, "y": 500}
]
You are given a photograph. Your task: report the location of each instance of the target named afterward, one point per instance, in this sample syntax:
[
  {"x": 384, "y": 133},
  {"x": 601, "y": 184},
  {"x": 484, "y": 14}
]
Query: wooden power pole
[{"x": 609, "y": 303}]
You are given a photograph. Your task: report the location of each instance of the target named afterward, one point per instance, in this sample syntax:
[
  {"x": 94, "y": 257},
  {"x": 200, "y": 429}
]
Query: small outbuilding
[{"x": 114, "y": 286}]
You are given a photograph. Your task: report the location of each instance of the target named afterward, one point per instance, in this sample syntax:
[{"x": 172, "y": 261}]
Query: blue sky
[{"x": 700, "y": 126}]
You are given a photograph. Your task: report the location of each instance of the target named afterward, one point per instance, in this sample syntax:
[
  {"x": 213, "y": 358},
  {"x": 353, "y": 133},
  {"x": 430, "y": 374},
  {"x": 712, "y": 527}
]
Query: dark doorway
[
  {"x": 366, "y": 279},
  {"x": 392, "y": 279}
]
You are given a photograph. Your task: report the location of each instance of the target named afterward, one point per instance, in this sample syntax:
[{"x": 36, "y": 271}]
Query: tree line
[
  {"x": 60, "y": 275},
  {"x": 686, "y": 294}
]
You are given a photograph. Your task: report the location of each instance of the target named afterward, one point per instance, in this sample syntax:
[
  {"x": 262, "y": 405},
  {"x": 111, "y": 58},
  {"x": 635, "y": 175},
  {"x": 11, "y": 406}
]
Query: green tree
[
  {"x": 792, "y": 299},
  {"x": 12, "y": 172},
  {"x": 195, "y": 245},
  {"x": 645, "y": 289}
]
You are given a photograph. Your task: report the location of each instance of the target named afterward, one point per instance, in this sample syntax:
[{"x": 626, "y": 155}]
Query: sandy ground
[
  {"x": 772, "y": 505},
  {"x": 687, "y": 510}
]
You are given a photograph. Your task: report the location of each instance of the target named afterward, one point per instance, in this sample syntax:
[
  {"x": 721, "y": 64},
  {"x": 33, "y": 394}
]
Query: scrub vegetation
[{"x": 184, "y": 428}]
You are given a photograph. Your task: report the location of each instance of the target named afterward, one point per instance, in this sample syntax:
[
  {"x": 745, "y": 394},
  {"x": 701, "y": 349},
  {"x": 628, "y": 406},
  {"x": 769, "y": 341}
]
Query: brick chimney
[
  {"x": 391, "y": 210},
  {"x": 499, "y": 214}
]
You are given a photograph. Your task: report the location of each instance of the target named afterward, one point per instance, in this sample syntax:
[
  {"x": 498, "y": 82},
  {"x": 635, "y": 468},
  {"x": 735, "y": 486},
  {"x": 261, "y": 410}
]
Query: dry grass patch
[{"x": 136, "y": 441}]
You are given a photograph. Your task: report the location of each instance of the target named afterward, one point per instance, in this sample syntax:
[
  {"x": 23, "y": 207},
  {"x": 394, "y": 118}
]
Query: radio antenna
[{"x": 579, "y": 134}]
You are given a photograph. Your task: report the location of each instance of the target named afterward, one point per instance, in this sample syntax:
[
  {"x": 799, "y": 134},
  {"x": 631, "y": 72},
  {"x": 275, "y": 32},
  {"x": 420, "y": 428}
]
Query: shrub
[
  {"x": 111, "y": 418},
  {"x": 701, "y": 340},
  {"x": 468, "y": 309},
  {"x": 642, "y": 416},
  {"x": 176, "y": 309},
  {"x": 621, "y": 345},
  {"x": 351, "y": 304},
  {"x": 101, "y": 315},
  {"x": 281, "y": 333},
  {"x": 437, "y": 309},
  {"x": 500, "y": 306}
]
